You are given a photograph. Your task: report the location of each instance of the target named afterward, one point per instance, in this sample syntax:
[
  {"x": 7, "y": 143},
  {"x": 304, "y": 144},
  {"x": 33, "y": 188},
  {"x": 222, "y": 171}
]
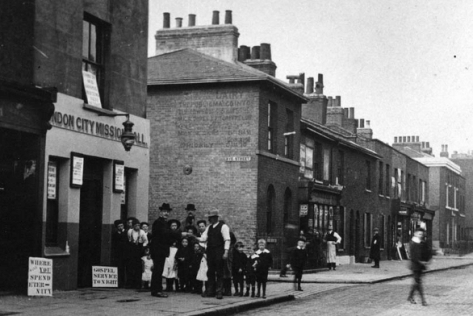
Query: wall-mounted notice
[
  {"x": 118, "y": 176},
  {"x": 104, "y": 276},
  {"x": 77, "y": 170},
  {"x": 40, "y": 277},
  {"x": 52, "y": 180},
  {"x": 91, "y": 89}
]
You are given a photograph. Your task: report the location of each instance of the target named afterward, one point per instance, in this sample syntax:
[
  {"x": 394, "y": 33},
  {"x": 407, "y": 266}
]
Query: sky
[{"x": 404, "y": 65}]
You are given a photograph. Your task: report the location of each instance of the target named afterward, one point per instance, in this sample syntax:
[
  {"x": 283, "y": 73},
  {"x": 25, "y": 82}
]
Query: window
[
  {"x": 318, "y": 161},
  {"x": 367, "y": 229},
  {"x": 306, "y": 158},
  {"x": 289, "y": 138},
  {"x": 388, "y": 180},
  {"x": 271, "y": 199},
  {"x": 271, "y": 126},
  {"x": 287, "y": 206},
  {"x": 340, "y": 167},
  {"x": 52, "y": 211},
  {"x": 381, "y": 179},
  {"x": 368, "y": 175},
  {"x": 408, "y": 187},
  {"x": 396, "y": 181},
  {"x": 326, "y": 162}
]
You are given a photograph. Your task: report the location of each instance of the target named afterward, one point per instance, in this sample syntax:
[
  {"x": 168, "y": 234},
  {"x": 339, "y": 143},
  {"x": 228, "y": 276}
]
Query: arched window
[
  {"x": 270, "y": 207},
  {"x": 287, "y": 206}
]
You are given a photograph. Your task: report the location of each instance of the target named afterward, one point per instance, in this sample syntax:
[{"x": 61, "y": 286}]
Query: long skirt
[{"x": 331, "y": 252}]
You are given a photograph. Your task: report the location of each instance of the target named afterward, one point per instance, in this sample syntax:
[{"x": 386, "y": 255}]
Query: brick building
[
  {"x": 70, "y": 71},
  {"x": 465, "y": 161},
  {"x": 223, "y": 134}
]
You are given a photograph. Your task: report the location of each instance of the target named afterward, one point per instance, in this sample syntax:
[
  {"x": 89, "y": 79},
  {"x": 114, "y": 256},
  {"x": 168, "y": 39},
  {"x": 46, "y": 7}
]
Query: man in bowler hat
[
  {"x": 217, "y": 236},
  {"x": 163, "y": 237},
  {"x": 190, "y": 219}
]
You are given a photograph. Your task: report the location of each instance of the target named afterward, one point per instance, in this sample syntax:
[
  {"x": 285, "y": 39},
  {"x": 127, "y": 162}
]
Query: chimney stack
[
  {"x": 310, "y": 85},
  {"x": 192, "y": 19},
  {"x": 364, "y": 131},
  {"x": 216, "y": 18},
  {"x": 228, "y": 17},
  {"x": 166, "y": 20},
  {"x": 178, "y": 22}
]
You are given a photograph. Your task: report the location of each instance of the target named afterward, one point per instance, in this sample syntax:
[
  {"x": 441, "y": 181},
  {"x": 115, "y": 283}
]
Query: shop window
[
  {"x": 94, "y": 43},
  {"x": 367, "y": 227},
  {"x": 270, "y": 206},
  {"x": 289, "y": 135},
  {"x": 272, "y": 121},
  {"x": 52, "y": 204}
]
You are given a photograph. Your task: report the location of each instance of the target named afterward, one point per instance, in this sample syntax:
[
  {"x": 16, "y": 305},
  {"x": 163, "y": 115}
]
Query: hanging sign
[
  {"x": 77, "y": 170},
  {"x": 40, "y": 277},
  {"x": 104, "y": 276}
]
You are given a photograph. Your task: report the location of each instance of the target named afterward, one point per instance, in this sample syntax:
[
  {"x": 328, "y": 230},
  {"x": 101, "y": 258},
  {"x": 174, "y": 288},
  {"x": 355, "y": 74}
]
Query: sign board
[
  {"x": 40, "y": 277},
  {"x": 77, "y": 169},
  {"x": 303, "y": 210},
  {"x": 52, "y": 180},
  {"x": 118, "y": 176},
  {"x": 91, "y": 89},
  {"x": 104, "y": 276},
  {"x": 238, "y": 158}
]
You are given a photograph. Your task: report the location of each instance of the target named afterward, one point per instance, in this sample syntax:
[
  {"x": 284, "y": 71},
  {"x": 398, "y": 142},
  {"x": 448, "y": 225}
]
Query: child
[
  {"x": 147, "y": 264},
  {"x": 251, "y": 263},
  {"x": 194, "y": 269},
  {"x": 299, "y": 257},
  {"x": 264, "y": 264},
  {"x": 170, "y": 268},
  {"x": 183, "y": 258},
  {"x": 238, "y": 267}
]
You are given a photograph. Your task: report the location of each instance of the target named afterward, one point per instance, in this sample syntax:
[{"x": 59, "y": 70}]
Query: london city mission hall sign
[{"x": 94, "y": 128}]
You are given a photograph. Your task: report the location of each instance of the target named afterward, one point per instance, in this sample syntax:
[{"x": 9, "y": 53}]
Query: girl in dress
[
  {"x": 170, "y": 268},
  {"x": 147, "y": 264}
]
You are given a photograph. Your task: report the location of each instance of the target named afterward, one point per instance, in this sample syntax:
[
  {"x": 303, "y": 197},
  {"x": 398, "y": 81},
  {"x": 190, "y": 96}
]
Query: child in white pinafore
[
  {"x": 147, "y": 264},
  {"x": 170, "y": 268}
]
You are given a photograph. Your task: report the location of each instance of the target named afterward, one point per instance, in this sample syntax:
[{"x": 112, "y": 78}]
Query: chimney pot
[
  {"x": 192, "y": 19},
  {"x": 320, "y": 78},
  {"x": 178, "y": 22},
  {"x": 352, "y": 113},
  {"x": 310, "y": 85},
  {"x": 265, "y": 51},
  {"x": 228, "y": 17},
  {"x": 367, "y": 123},
  {"x": 423, "y": 145},
  {"x": 255, "y": 51},
  {"x": 417, "y": 139},
  {"x": 166, "y": 20},
  {"x": 345, "y": 112},
  {"x": 215, "y": 18},
  {"x": 427, "y": 144},
  {"x": 362, "y": 123},
  {"x": 395, "y": 139},
  {"x": 243, "y": 53},
  {"x": 339, "y": 100},
  {"x": 408, "y": 139},
  {"x": 330, "y": 101},
  {"x": 404, "y": 139}
]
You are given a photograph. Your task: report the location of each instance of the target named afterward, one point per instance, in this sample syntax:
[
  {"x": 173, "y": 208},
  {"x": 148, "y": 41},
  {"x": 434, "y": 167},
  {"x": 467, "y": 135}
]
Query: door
[
  {"x": 19, "y": 207},
  {"x": 90, "y": 220}
]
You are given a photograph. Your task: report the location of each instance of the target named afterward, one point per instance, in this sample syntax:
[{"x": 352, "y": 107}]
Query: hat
[
  {"x": 172, "y": 221},
  {"x": 214, "y": 212},
  {"x": 190, "y": 207},
  {"x": 376, "y": 229},
  {"x": 135, "y": 221},
  {"x": 165, "y": 207},
  {"x": 118, "y": 222}
]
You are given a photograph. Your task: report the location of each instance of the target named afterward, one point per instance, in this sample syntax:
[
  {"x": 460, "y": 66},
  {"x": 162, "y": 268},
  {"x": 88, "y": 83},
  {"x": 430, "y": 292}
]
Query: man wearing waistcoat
[{"x": 217, "y": 236}]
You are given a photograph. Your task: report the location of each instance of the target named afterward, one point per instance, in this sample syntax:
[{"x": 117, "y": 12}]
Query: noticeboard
[{"x": 40, "y": 277}]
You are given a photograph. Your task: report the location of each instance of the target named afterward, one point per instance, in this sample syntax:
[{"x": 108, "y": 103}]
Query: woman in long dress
[{"x": 332, "y": 238}]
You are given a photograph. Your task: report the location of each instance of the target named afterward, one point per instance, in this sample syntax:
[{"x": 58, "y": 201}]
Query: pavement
[{"x": 102, "y": 301}]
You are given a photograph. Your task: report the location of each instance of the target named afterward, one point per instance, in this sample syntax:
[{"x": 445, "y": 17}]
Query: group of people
[{"x": 191, "y": 255}]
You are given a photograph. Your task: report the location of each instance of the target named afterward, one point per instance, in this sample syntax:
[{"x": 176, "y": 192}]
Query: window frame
[{"x": 367, "y": 226}]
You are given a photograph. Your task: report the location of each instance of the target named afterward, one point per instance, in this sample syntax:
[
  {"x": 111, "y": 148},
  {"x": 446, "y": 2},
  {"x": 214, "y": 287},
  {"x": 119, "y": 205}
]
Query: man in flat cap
[
  {"x": 217, "y": 236},
  {"x": 162, "y": 239}
]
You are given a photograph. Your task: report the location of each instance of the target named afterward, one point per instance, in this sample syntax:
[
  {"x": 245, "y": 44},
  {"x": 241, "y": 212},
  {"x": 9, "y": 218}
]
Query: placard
[
  {"x": 118, "y": 176},
  {"x": 303, "y": 210},
  {"x": 40, "y": 277},
  {"x": 77, "y": 170},
  {"x": 104, "y": 276},
  {"x": 52, "y": 180},
  {"x": 91, "y": 89}
]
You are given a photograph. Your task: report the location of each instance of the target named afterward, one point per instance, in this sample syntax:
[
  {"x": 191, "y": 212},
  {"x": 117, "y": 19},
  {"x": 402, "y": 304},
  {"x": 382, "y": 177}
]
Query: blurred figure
[
  {"x": 419, "y": 257},
  {"x": 375, "y": 249}
]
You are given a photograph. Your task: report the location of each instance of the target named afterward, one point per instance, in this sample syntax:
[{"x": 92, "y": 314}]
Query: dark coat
[
  {"x": 375, "y": 250},
  {"x": 163, "y": 238},
  {"x": 299, "y": 258},
  {"x": 119, "y": 246},
  {"x": 417, "y": 253},
  {"x": 239, "y": 262},
  {"x": 195, "y": 263},
  {"x": 264, "y": 263},
  {"x": 183, "y": 265},
  {"x": 250, "y": 265}
]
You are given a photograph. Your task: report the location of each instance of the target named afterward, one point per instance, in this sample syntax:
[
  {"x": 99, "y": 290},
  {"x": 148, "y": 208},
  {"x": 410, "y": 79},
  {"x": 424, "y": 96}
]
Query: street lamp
[{"x": 128, "y": 137}]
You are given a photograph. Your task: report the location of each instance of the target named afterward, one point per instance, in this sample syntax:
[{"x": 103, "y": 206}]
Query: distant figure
[
  {"x": 332, "y": 238},
  {"x": 375, "y": 250},
  {"x": 147, "y": 271},
  {"x": 420, "y": 255},
  {"x": 265, "y": 263},
  {"x": 299, "y": 257}
]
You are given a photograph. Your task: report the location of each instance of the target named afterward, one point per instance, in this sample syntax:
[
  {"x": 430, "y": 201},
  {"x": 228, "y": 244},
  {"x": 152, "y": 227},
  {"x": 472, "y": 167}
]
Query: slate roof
[{"x": 187, "y": 66}]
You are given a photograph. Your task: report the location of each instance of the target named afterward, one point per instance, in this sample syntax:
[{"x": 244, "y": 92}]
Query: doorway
[
  {"x": 90, "y": 220},
  {"x": 19, "y": 206}
]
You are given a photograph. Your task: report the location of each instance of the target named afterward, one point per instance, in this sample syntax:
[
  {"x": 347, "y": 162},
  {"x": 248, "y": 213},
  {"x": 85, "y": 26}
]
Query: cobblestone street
[{"x": 447, "y": 293}]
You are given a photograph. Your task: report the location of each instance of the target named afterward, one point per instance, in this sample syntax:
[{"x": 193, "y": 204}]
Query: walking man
[
  {"x": 217, "y": 236},
  {"x": 375, "y": 250},
  {"x": 419, "y": 256}
]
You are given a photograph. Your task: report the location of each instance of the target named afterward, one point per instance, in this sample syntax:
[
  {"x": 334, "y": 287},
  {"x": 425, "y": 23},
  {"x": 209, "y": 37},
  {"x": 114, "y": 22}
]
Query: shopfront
[{"x": 91, "y": 181}]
